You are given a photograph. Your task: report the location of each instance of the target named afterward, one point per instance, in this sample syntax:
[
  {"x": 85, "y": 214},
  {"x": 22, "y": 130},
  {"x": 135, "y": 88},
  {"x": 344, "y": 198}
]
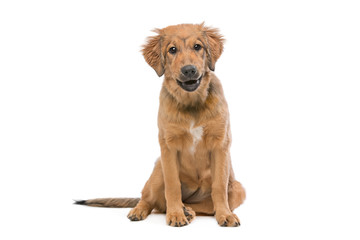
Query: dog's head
[{"x": 185, "y": 54}]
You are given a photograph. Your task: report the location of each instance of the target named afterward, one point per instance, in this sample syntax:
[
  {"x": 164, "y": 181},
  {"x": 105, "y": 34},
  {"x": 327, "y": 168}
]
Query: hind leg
[
  {"x": 153, "y": 196},
  {"x": 236, "y": 196}
]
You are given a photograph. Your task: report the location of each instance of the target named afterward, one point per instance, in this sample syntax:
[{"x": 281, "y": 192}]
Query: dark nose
[{"x": 189, "y": 71}]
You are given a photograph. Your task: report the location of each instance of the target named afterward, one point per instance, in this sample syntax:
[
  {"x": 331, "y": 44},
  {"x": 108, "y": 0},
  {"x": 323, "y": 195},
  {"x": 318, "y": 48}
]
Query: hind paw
[{"x": 138, "y": 214}]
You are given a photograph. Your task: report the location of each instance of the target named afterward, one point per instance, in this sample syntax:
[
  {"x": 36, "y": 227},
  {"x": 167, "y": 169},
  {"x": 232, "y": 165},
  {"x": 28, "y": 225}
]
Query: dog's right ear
[{"x": 152, "y": 53}]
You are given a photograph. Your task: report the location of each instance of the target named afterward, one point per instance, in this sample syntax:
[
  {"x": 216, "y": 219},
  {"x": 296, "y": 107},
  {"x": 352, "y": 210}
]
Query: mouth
[{"x": 190, "y": 85}]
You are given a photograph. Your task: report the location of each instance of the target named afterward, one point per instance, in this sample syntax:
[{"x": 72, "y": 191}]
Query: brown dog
[{"x": 194, "y": 172}]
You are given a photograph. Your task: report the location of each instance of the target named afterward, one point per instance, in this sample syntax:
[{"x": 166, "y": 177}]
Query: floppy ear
[
  {"x": 152, "y": 54},
  {"x": 215, "y": 42}
]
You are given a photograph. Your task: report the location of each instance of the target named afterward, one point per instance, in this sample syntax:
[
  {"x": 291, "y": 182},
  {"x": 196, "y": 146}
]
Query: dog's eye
[
  {"x": 197, "y": 47},
  {"x": 172, "y": 50}
]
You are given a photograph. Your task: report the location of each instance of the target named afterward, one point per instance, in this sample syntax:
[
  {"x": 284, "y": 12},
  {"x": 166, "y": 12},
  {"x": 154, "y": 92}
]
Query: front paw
[
  {"x": 189, "y": 214},
  {"x": 227, "y": 219},
  {"x": 180, "y": 218}
]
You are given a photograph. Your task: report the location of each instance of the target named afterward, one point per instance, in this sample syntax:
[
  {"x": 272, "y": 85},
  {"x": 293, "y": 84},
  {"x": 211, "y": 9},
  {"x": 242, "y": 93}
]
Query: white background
[{"x": 78, "y": 110}]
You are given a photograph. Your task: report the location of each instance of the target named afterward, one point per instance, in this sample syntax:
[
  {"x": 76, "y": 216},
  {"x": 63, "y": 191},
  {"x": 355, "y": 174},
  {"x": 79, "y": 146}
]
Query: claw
[{"x": 133, "y": 218}]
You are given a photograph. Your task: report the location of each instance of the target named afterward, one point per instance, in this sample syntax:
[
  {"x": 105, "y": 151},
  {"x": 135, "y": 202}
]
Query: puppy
[{"x": 194, "y": 172}]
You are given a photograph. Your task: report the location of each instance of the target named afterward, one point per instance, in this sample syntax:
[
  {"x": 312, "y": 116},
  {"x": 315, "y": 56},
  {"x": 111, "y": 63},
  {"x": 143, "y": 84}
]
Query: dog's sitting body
[{"x": 194, "y": 173}]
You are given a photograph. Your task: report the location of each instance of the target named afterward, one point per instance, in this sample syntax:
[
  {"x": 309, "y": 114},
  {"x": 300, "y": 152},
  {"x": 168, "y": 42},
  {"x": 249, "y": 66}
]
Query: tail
[{"x": 109, "y": 202}]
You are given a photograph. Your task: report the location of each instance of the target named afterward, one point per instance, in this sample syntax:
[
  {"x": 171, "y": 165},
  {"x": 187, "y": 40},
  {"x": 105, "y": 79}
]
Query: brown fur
[{"x": 192, "y": 175}]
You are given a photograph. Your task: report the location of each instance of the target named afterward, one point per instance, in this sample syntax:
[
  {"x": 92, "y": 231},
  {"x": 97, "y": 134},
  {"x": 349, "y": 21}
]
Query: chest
[
  {"x": 187, "y": 138},
  {"x": 196, "y": 133},
  {"x": 194, "y": 137}
]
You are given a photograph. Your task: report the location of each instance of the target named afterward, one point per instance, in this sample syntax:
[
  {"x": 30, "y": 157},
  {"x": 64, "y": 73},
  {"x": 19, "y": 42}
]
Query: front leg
[
  {"x": 176, "y": 214},
  {"x": 220, "y": 171}
]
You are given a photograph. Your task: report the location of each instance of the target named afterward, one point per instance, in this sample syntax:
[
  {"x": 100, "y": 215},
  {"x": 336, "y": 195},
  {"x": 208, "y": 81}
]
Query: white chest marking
[{"x": 196, "y": 134}]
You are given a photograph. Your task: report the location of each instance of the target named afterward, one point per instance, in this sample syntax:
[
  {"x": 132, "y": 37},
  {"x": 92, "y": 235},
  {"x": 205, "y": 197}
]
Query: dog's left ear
[
  {"x": 152, "y": 53},
  {"x": 215, "y": 42}
]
